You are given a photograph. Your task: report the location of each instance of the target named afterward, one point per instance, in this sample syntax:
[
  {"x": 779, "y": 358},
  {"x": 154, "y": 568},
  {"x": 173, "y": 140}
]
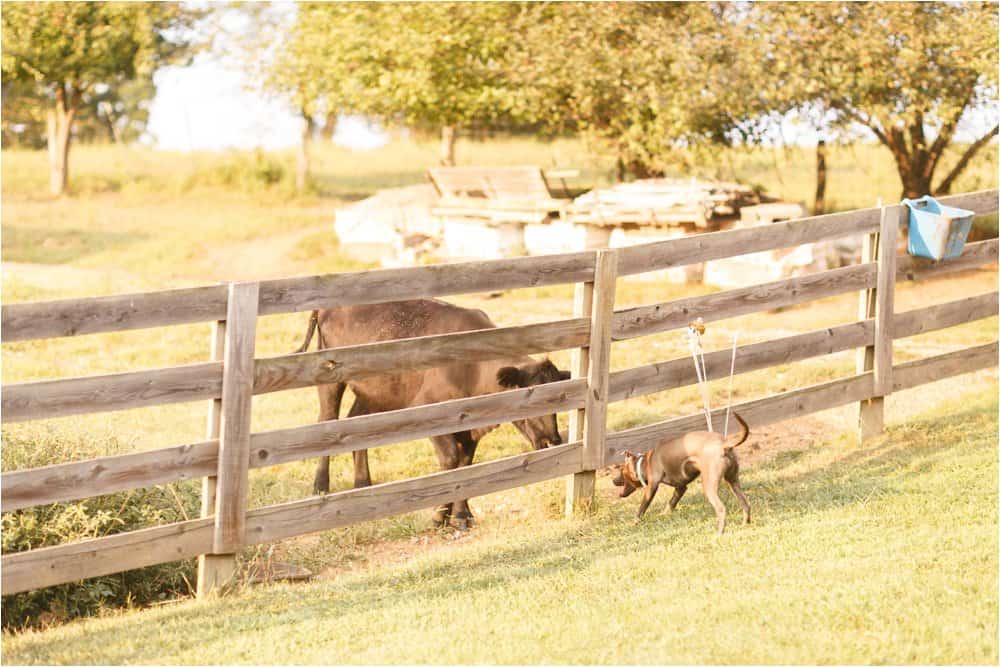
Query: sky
[{"x": 207, "y": 106}]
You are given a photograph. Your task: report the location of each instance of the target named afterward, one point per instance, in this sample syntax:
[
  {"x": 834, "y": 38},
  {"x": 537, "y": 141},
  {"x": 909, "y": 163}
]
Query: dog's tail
[
  {"x": 309, "y": 332},
  {"x": 743, "y": 436}
]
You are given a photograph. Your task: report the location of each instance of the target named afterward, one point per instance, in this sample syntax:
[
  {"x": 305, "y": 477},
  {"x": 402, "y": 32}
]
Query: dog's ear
[{"x": 510, "y": 377}]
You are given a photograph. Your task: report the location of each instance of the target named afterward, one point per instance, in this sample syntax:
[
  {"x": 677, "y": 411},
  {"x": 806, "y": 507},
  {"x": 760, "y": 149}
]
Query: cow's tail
[
  {"x": 743, "y": 436},
  {"x": 313, "y": 319}
]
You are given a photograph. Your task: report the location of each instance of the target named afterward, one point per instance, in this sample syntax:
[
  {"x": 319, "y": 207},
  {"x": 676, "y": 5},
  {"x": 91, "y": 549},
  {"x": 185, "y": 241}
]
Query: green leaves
[
  {"x": 908, "y": 71},
  {"x": 86, "y": 43},
  {"x": 424, "y": 64}
]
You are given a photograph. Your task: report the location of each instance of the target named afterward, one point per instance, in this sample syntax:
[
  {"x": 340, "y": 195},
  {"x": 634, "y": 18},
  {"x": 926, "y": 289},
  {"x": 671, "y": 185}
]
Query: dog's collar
[{"x": 638, "y": 469}]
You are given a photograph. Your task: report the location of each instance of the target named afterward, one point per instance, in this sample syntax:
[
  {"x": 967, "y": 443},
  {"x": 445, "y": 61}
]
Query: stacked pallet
[{"x": 663, "y": 202}]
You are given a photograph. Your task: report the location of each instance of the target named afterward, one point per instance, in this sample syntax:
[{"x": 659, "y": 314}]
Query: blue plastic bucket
[{"x": 936, "y": 231}]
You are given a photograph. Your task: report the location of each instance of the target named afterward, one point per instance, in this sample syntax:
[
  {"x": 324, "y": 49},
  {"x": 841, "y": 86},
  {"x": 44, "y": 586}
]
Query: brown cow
[{"x": 356, "y": 325}]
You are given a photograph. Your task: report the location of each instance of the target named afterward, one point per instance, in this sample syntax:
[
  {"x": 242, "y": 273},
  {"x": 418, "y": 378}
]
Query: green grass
[{"x": 879, "y": 554}]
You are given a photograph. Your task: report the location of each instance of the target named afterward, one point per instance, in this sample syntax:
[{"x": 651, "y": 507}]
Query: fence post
[
  {"x": 595, "y": 300},
  {"x": 232, "y": 477},
  {"x": 878, "y": 303},
  {"x": 214, "y": 571}
]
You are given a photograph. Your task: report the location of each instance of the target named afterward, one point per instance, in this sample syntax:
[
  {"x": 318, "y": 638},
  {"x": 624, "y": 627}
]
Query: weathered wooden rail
[{"x": 234, "y": 376}]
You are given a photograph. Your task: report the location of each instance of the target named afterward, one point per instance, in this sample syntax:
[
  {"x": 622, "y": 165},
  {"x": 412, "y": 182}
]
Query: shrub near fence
[{"x": 234, "y": 375}]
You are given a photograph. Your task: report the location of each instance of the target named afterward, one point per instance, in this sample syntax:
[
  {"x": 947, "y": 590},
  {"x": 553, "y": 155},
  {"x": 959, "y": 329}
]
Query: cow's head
[{"x": 541, "y": 431}]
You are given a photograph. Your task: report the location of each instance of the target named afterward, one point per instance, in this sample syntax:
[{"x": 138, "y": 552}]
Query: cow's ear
[
  {"x": 564, "y": 375},
  {"x": 510, "y": 376}
]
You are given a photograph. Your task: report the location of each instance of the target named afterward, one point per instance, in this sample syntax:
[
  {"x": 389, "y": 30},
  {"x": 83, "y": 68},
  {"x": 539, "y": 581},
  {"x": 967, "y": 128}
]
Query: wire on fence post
[
  {"x": 695, "y": 330},
  {"x": 732, "y": 371}
]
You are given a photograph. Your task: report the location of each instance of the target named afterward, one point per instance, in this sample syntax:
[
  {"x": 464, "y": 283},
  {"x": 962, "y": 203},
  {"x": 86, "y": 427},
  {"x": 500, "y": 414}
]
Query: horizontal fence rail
[
  {"x": 720, "y": 245},
  {"x": 71, "y": 481},
  {"x": 118, "y": 391},
  {"x": 677, "y": 373},
  {"x": 661, "y": 317},
  {"x": 73, "y": 317},
  {"x": 974, "y": 255},
  {"x": 46, "y": 399},
  {"x": 816, "y": 398},
  {"x": 360, "y": 361},
  {"x": 179, "y": 384}
]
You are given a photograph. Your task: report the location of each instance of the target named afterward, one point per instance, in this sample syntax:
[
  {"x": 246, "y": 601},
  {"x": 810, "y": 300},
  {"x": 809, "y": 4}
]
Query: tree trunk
[
  {"x": 820, "y": 205},
  {"x": 302, "y": 170},
  {"x": 329, "y": 126},
  {"x": 914, "y": 184},
  {"x": 60, "y": 125},
  {"x": 639, "y": 170},
  {"x": 107, "y": 112},
  {"x": 916, "y": 165},
  {"x": 448, "y": 133},
  {"x": 914, "y": 181},
  {"x": 620, "y": 172}
]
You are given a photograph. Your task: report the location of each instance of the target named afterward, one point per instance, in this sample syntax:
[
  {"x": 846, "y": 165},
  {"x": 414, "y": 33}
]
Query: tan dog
[{"x": 678, "y": 462}]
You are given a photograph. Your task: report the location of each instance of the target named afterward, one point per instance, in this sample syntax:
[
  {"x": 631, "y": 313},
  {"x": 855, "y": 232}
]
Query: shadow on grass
[{"x": 59, "y": 246}]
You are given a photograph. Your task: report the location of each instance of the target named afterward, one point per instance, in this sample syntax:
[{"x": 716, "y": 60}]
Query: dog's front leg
[{"x": 647, "y": 498}]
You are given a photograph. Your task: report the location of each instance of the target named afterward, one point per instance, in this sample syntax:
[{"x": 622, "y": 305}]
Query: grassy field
[
  {"x": 880, "y": 554},
  {"x": 140, "y": 220}
]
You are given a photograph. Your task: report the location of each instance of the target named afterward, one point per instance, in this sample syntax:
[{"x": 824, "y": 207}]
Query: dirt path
[{"x": 261, "y": 258}]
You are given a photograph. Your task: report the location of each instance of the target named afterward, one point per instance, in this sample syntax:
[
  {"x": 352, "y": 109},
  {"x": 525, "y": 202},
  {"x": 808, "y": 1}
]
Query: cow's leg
[
  {"x": 448, "y": 453},
  {"x": 461, "y": 515},
  {"x": 362, "y": 475},
  {"x": 330, "y": 396}
]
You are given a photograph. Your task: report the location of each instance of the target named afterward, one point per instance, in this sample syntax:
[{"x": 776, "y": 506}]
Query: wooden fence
[{"x": 233, "y": 376}]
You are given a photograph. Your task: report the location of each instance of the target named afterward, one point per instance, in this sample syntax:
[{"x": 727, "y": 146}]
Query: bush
[
  {"x": 61, "y": 523},
  {"x": 246, "y": 172}
]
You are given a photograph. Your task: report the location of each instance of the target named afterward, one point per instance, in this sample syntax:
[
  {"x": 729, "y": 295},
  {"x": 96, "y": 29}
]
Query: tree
[
  {"x": 111, "y": 113},
  {"x": 70, "y": 54},
  {"x": 420, "y": 64},
  {"x": 646, "y": 79},
  {"x": 908, "y": 72}
]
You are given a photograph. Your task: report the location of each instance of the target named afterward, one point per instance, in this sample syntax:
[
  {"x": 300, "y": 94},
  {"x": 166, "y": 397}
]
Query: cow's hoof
[
  {"x": 441, "y": 517},
  {"x": 462, "y": 522}
]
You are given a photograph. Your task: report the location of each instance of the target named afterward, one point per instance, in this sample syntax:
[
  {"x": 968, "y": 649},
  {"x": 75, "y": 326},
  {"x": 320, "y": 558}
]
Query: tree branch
[
  {"x": 917, "y": 139},
  {"x": 898, "y": 140},
  {"x": 870, "y": 123},
  {"x": 949, "y": 180},
  {"x": 946, "y": 133}
]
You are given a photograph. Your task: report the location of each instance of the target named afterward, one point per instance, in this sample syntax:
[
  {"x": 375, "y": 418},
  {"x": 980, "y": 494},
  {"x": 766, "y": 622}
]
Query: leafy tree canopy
[{"x": 907, "y": 71}]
